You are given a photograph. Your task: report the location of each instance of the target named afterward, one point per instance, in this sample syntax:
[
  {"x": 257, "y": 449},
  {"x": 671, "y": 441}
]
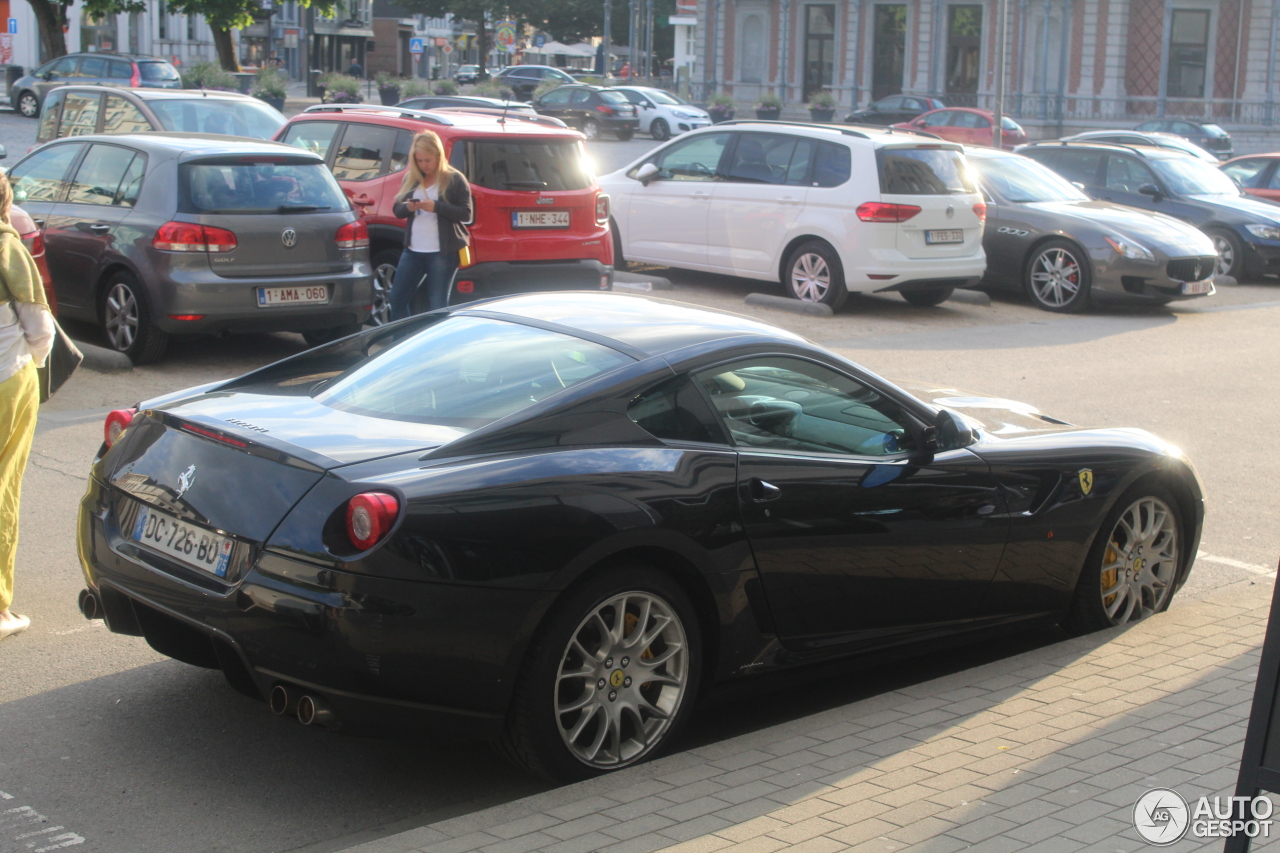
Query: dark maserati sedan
[
  {"x": 557, "y": 519},
  {"x": 1044, "y": 236}
]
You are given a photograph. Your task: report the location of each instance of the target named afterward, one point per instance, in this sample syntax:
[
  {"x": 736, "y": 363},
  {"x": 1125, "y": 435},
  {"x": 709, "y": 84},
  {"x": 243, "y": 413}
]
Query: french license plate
[
  {"x": 184, "y": 542},
  {"x": 1190, "y": 288},
  {"x": 932, "y": 237},
  {"x": 540, "y": 219},
  {"x": 270, "y": 297}
]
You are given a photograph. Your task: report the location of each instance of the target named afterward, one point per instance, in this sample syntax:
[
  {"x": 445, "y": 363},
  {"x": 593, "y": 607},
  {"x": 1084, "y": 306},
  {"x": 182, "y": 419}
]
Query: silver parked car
[
  {"x": 155, "y": 234},
  {"x": 1063, "y": 249}
]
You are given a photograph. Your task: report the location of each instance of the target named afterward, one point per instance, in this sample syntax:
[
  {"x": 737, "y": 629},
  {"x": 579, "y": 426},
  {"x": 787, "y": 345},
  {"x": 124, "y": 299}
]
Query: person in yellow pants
[{"x": 26, "y": 336}]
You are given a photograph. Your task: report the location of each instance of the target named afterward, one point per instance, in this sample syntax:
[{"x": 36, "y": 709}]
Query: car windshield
[
  {"x": 1186, "y": 176},
  {"x": 217, "y": 115},
  {"x": 157, "y": 71},
  {"x": 1009, "y": 124},
  {"x": 1019, "y": 179},
  {"x": 611, "y": 97},
  {"x": 267, "y": 184},
  {"x": 923, "y": 171},
  {"x": 553, "y": 165},
  {"x": 468, "y": 372}
]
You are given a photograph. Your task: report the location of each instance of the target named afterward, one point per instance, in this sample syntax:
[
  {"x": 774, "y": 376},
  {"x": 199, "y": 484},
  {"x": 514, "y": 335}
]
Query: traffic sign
[
  {"x": 416, "y": 45},
  {"x": 13, "y": 26},
  {"x": 448, "y": 49},
  {"x": 539, "y": 40}
]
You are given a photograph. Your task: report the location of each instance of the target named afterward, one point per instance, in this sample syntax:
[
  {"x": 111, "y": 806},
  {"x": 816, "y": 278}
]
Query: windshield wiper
[
  {"x": 526, "y": 185},
  {"x": 301, "y": 208}
]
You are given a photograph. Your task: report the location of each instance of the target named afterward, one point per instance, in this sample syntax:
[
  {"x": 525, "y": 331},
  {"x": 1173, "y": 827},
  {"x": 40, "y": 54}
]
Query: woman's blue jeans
[{"x": 436, "y": 268}]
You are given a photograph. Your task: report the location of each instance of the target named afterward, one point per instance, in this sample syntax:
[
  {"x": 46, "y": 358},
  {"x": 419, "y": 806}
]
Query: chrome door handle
[
  {"x": 762, "y": 492},
  {"x": 786, "y": 199},
  {"x": 100, "y": 228}
]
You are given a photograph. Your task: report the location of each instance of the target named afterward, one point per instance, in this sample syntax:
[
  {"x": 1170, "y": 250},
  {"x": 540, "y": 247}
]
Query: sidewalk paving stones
[{"x": 1045, "y": 751}]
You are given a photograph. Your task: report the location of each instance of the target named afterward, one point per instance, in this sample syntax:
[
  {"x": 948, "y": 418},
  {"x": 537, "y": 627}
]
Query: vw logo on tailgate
[{"x": 289, "y": 237}]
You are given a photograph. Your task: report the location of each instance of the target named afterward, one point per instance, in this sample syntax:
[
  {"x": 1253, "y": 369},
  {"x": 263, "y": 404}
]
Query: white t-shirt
[{"x": 425, "y": 230}]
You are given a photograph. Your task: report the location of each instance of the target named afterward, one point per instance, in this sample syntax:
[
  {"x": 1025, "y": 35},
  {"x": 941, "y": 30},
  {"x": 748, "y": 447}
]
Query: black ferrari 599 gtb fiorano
[{"x": 555, "y": 519}]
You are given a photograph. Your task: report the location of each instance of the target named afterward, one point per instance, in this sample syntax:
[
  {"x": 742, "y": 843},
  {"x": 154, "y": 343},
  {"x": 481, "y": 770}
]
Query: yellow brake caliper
[{"x": 1109, "y": 575}]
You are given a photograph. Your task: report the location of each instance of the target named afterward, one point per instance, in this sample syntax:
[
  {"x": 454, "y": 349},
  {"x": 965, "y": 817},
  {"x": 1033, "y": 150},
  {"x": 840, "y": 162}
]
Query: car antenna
[{"x": 506, "y": 102}]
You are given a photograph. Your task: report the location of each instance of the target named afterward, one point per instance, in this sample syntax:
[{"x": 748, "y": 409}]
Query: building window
[
  {"x": 1188, "y": 53},
  {"x": 191, "y": 27},
  {"x": 753, "y": 49},
  {"x": 964, "y": 51},
  {"x": 889, "y": 50},
  {"x": 162, "y": 24},
  {"x": 819, "y": 48}
]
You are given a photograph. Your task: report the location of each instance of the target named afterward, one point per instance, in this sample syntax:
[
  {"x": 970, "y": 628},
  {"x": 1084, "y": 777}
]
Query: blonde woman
[
  {"x": 436, "y": 199},
  {"x": 26, "y": 336}
]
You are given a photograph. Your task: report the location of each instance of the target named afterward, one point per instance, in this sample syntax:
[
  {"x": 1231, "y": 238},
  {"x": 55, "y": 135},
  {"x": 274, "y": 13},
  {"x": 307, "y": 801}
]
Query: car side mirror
[
  {"x": 922, "y": 123},
  {"x": 646, "y": 105},
  {"x": 646, "y": 173},
  {"x": 1151, "y": 190},
  {"x": 950, "y": 431},
  {"x": 3, "y": 152},
  {"x": 1078, "y": 185}
]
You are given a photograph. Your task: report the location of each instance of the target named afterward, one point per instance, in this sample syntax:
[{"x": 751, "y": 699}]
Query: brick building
[{"x": 1071, "y": 63}]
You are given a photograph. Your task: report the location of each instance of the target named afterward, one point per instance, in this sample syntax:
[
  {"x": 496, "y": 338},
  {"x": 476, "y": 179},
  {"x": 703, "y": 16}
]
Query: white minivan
[{"x": 828, "y": 211}]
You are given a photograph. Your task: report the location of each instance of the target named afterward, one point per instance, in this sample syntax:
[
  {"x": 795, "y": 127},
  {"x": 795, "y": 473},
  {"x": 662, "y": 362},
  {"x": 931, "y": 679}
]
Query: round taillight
[
  {"x": 117, "y": 422},
  {"x": 369, "y": 518}
]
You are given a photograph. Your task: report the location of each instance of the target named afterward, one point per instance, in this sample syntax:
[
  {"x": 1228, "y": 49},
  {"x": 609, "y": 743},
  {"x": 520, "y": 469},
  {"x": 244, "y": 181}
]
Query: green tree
[
  {"x": 51, "y": 17},
  {"x": 223, "y": 16}
]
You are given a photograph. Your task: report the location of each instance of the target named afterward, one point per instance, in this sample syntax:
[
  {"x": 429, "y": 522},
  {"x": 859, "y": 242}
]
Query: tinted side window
[
  {"x": 761, "y": 158},
  {"x": 1079, "y": 165},
  {"x": 92, "y": 66},
  {"x": 791, "y": 404},
  {"x": 674, "y": 411},
  {"x": 99, "y": 175},
  {"x": 400, "y": 151},
  {"x": 363, "y": 148},
  {"x": 123, "y": 117},
  {"x": 118, "y": 70},
  {"x": 39, "y": 177},
  {"x": 833, "y": 165},
  {"x": 1246, "y": 172},
  {"x": 314, "y": 136},
  {"x": 532, "y": 164},
  {"x": 79, "y": 115},
  {"x": 64, "y": 67},
  {"x": 556, "y": 96},
  {"x": 1126, "y": 174},
  {"x": 922, "y": 171},
  {"x": 801, "y": 163},
  {"x": 49, "y": 116},
  {"x": 131, "y": 184}
]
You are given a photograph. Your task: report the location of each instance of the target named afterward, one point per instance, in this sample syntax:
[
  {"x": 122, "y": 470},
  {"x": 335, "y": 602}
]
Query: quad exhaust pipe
[{"x": 287, "y": 700}]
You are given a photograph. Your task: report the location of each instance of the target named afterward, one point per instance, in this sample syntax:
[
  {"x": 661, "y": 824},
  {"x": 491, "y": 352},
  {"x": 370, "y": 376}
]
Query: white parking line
[
  {"x": 1265, "y": 571},
  {"x": 32, "y": 835}
]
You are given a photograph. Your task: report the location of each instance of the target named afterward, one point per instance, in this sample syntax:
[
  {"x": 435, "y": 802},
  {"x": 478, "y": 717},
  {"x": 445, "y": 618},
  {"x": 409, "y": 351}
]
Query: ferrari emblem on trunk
[
  {"x": 1086, "y": 481},
  {"x": 185, "y": 481}
]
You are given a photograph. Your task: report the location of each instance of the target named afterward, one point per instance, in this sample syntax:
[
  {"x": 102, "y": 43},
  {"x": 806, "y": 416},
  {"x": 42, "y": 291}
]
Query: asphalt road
[{"x": 105, "y": 746}]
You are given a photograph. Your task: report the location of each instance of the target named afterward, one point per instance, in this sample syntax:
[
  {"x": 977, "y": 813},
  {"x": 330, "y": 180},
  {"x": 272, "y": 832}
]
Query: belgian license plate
[
  {"x": 184, "y": 542},
  {"x": 270, "y": 297},
  {"x": 540, "y": 219},
  {"x": 932, "y": 237},
  {"x": 1190, "y": 288}
]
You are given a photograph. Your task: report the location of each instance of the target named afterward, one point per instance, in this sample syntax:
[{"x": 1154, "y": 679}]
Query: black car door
[{"x": 857, "y": 537}]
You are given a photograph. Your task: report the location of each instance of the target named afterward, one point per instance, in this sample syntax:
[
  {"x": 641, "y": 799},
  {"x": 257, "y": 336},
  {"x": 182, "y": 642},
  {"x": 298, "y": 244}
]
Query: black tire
[
  {"x": 1057, "y": 277},
  {"x": 28, "y": 105},
  {"x": 125, "y": 314},
  {"x": 1132, "y": 559},
  {"x": 535, "y": 734},
  {"x": 659, "y": 130},
  {"x": 591, "y": 129},
  {"x": 813, "y": 274},
  {"x": 928, "y": 298},
  {"x": 1230, "y": 253},
  {"x": 619, "y": 262},
  {"x": 317, "y": 337},
  {"x": 625, "y": 135},
  {"x": 384, "y": 272}
]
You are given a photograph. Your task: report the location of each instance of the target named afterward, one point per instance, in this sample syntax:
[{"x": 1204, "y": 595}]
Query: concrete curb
[
  {"x": 103, "y": 360},
  {"x": 795, "y": 306},
  {"x": 640, "y": 282},
  {"x": 973, "y": 297}
]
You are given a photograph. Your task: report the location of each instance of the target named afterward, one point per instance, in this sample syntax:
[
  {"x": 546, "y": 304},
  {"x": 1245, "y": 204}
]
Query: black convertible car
[{"x": 554, "y": 519}]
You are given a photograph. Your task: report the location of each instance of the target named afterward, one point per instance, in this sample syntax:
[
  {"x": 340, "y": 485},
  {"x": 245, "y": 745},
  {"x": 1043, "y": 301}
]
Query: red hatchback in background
[
  {"x": 33, "y": 238},
  {"x": 967, "y": 125},
  {"x": 1257, "y": 174},
  {"x": 541, "y": 220}
]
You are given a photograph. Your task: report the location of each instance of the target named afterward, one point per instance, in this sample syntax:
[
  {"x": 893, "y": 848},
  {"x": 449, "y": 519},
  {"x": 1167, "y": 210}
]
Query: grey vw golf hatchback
[{"x": 157, "y": 234}]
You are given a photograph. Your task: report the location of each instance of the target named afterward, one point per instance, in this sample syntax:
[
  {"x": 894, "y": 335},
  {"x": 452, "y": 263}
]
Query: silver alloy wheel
[
  {"x": 591, "y": 129},
  {"x": 1226, "y": 254},
  {"x": 1055, "y": 275},
  {"x": 621, "y": 680},
  {"x": 383, "y": 275},
  {"x": 1140, "y": 561},
  {"x": 810, "y": 277},
  {"x": 121, "y": 316},
  {"x": 28, "y": 105}
]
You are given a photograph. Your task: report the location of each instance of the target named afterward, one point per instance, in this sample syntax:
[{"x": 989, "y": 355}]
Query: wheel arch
[
  {"x": 109, "y": 272},
  {"x": 1040, "y": 241},
  {"x": 795, "y": 242}
]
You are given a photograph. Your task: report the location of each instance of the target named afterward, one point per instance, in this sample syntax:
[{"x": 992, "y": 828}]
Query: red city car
[
  {"x": 541, "y": 220},
  {"x": 33, "y": 238},
  {"x": 966, "y": 125},
  {"x": 1257, "y": 174}
]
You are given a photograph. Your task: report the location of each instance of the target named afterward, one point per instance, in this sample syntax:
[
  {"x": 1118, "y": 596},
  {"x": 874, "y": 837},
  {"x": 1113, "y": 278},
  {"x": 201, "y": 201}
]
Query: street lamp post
[
  {"x": 608, "y": 33},
  {"x": 1002, "y": 53}
]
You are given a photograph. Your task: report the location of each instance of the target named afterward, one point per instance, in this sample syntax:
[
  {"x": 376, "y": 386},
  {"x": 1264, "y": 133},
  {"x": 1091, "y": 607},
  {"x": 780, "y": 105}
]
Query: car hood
[
  {"x": 1246, "y": 206},
  {"x": 1169, "y": 235},
  {"x": 994, "y": 415}
]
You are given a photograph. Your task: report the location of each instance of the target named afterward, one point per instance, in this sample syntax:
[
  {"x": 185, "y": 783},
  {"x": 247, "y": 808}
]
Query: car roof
[
  {"x": 191, "y": 143},
  {"x": 1154, "y": 152},
  {"x": 134, "y": 56},
  {"x": 159, "y": 94},
  {"x": 877, "y": 135},
  {"x": 652, "y": 326},
  {"x": 447, "y": 120}
]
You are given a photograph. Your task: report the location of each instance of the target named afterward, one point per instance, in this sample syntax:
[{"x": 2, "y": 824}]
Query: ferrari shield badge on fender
[{"x": 1086, "y": 481}]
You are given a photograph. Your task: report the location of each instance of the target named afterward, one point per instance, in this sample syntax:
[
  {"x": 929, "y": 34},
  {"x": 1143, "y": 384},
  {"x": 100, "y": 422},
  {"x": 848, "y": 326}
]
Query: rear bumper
[
  {"x": 908, "y": 274},
  {"x": 502, "y": 278},
  {"x": 376, "y": 650},
  {"x": 231, "y": 304}
]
